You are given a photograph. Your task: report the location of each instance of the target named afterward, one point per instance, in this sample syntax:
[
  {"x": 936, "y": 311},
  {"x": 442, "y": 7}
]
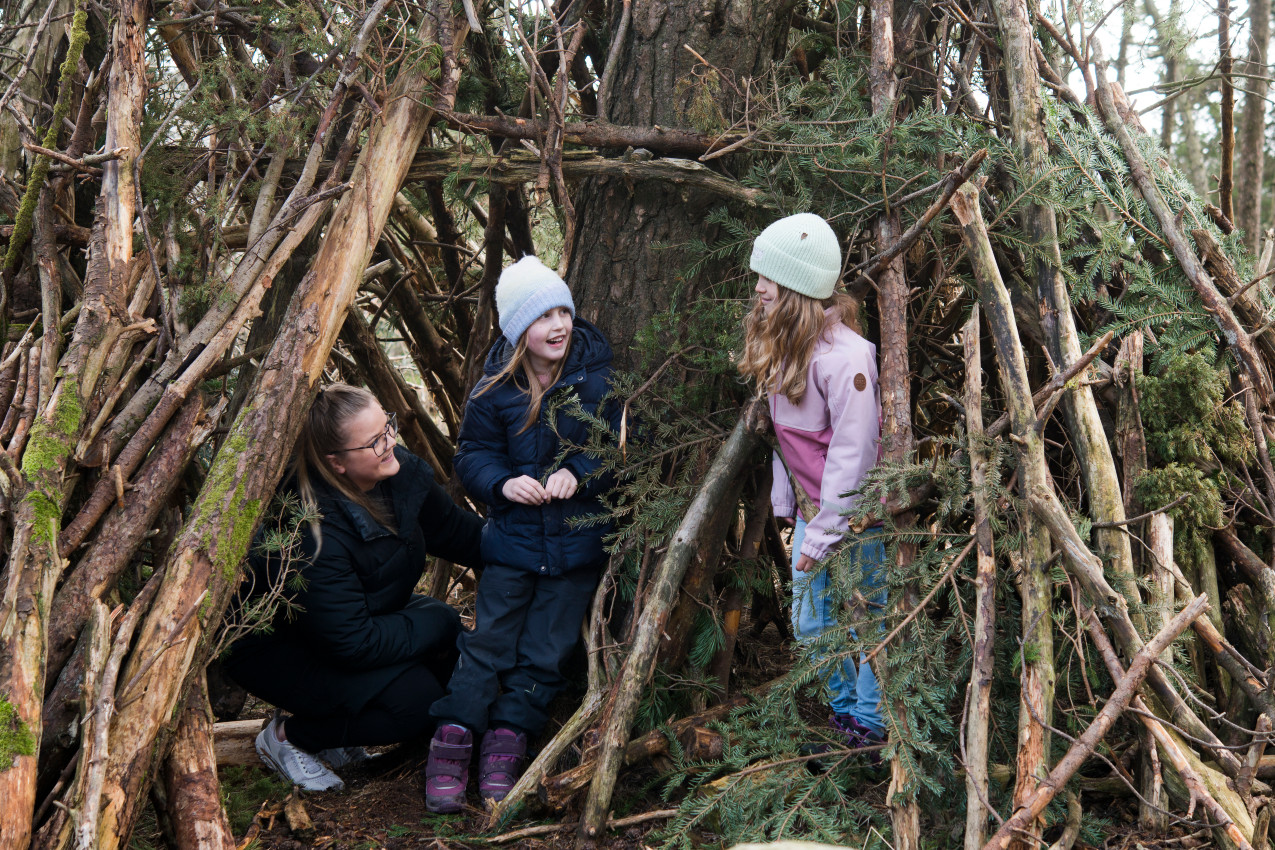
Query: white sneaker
[
  {"x": 293, "y": 763},
  {"x": 341, "y": 757}
]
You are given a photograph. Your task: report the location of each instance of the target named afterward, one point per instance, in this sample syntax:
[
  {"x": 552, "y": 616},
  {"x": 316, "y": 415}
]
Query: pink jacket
[{"x": 830, "y": 440}]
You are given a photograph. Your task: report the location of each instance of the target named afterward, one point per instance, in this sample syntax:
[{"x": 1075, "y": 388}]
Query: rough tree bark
[
  {"x": 190, "y": 779},
  {"x": 1252, "y": 141},
  {"x": 896, "y": 402},
  {"x": 619, "y": 273}
]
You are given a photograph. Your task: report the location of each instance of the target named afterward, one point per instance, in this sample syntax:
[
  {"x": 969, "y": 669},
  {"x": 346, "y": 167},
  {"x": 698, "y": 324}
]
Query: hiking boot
[
  {"x": 294, "y": 764},
  {"x": 857, "y": 734},
  {"x": 500, "y": 762},
  {"x": 342, "y": 757},
  {"x": 447, "y": 771}
]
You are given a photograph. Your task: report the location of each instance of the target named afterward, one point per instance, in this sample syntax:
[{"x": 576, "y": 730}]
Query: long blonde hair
[
  {"x": 323, "y": 433},
  {"x": 778, "y": 347},
  {"x": 519, "y": 366}
]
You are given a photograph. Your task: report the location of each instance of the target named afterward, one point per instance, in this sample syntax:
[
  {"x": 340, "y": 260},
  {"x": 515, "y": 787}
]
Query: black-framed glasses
[{"x": 382, "y": 444}]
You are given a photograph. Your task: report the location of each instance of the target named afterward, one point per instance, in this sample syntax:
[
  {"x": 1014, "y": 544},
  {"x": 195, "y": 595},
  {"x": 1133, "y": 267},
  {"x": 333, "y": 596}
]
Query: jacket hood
[{"x": 589, "y": 350}]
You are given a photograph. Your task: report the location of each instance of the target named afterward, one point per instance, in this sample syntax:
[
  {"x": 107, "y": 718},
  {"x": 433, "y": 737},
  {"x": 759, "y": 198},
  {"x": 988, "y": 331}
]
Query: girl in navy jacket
[{"x": 541, "y": 569}]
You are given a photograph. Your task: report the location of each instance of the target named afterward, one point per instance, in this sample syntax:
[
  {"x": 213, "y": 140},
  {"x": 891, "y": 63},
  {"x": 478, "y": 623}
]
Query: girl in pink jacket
[{"x": 802, "y": 348}]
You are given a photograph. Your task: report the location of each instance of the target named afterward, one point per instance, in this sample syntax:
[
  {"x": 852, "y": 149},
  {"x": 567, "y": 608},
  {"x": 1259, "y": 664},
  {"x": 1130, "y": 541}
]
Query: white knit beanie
[
  {"x": 801, "y": 253},
  {"x": 526, "y": 291}
]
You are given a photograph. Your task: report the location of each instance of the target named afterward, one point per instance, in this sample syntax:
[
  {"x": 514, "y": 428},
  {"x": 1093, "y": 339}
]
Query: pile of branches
[{"x": 326, "y": 191}]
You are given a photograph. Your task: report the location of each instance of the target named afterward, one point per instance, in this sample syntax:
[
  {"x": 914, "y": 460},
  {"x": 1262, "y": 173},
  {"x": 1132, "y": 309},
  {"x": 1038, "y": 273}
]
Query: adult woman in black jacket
[{"x": 355, "y": 656}]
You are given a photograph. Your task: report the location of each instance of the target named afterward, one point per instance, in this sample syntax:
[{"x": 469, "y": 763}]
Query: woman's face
[
  {"x": 767, "y": 291},
  {"x": 366, "y": 433},
  {"x": 547, "y": 338}
]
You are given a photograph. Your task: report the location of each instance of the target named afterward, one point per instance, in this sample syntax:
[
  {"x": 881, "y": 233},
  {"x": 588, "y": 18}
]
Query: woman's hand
[
  {"x": 804, "y": 563},
  {"x": 561, "y": 485},
  {"x": 525, "y": 490}
]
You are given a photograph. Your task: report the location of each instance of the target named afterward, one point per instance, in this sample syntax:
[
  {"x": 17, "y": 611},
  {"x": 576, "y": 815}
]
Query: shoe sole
[
  {"x": 274, "y": 765},
  {"x": 440, "y": 805}
]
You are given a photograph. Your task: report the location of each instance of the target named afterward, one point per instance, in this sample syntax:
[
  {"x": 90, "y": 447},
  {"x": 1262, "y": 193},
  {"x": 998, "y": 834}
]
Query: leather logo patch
[{"x": 860, "y": 382}]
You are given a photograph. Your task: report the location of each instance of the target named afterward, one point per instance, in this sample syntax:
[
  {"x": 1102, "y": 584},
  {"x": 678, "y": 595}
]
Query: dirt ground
[{"x": 383, "y": 805}]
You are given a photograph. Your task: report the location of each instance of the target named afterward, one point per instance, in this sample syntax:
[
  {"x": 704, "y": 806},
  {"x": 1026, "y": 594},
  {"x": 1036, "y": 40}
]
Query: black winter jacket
[
  {"x": 490, "y": 451},
  {"x": 355, "y": 607}
]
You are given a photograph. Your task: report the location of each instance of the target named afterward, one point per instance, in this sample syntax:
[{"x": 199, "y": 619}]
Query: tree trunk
[
  {"x": 190, "y": 779},
  {"x": 1226, "y": 178},
  {"x": 1252, "y": 139},
  {"x": 621, "y": 271}
]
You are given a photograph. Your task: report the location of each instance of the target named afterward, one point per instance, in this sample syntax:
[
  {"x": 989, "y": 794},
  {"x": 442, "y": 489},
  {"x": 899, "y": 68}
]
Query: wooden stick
[
  {"x": 1233, "y": 332},
  {"x": 518, "y": 167},
  {"x": 595, "y": 134},
  {"x": 556, "y": 790},
  {"x": 1034, "y": 587},
  {"x": 1085, "y": 567},
  {"x": 638, "y": 665},
  {"x": 550, "y": 829},
  {"x": 980, "y": 687},
  {"x": 947, "y": 187},
  {"x": 1084, "y": 746},
  {"x": 1057, "y": 382},
  {"x": 920, "y": 606},
  {"x": 1178, "y": 756}
]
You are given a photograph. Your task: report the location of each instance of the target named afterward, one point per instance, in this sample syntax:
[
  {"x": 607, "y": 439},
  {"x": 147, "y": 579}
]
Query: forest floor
[{"x": 383, "y": 804}]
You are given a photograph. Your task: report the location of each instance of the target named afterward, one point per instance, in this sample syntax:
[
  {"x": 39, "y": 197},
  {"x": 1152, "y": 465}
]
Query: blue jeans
[{"x": 854, "y": 692}]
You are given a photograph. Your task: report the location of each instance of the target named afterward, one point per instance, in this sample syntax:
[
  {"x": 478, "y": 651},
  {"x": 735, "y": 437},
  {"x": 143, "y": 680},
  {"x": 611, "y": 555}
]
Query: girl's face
[
  {"x": 547, "y": 338},
  {"x": 767, "y": 292},
  {"x": 367, "y": 433}
]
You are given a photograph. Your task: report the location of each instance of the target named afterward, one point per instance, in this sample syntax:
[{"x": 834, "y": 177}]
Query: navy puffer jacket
[{"x": 490, "y": 451}]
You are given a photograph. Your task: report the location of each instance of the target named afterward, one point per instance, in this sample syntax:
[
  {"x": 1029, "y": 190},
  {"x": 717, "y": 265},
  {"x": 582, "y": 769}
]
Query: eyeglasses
[{"x": 382, "y": 444}]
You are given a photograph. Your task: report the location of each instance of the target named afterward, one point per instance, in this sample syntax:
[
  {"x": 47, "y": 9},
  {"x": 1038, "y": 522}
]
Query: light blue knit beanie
[
  {"x": 526, "y": 291},
  {"x": 799, "y": 252}
]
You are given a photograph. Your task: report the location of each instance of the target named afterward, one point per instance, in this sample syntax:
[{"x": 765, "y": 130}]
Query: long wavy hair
[
  {"x": 778, "y": 347},
  {"x": 518, "y": 369},
  {"x": 325, "y": 431}
]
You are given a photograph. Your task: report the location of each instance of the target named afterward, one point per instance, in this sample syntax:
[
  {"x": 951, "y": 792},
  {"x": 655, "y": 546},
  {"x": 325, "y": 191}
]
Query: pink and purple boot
[
  {"x": 500, "y": 762},
  {"x": 447, "y": 771}
]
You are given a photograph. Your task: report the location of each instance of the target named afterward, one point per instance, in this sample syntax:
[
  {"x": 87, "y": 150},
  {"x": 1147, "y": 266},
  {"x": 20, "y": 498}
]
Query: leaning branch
[
  {"x": 594, "y": 134},
  {"x": 1241, "y": 343},
  {"x": 518, "y": 167},
  {"x": 1084, "y": 746},
  {"x": 721, "y": 476}
]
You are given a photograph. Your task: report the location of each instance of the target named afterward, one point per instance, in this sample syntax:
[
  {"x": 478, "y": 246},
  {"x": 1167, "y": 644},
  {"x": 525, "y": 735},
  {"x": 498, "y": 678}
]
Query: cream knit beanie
[{"x": 799, "y": 252}]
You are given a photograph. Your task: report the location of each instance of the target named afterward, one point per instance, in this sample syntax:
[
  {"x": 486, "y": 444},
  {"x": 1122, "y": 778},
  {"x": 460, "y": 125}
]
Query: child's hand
[
  {"x": 525, "y": 490},
  {"x": 561, "y": 485},
  {"x": 804, "y": 563}
]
